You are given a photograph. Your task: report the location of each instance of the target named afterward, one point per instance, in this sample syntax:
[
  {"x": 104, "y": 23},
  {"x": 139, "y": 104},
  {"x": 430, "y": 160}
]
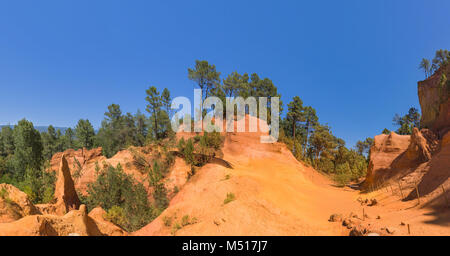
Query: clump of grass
[
  {"x": 175, "y": 228},
  {"x": 167, "y": 221},
  {"x": 5, "y": 196},
  {"x": 230, "y": 197},
  {"x": 227, "y": 177},
  {"x": 186, "y": 220},
  {"x": 3, "y": 193}
]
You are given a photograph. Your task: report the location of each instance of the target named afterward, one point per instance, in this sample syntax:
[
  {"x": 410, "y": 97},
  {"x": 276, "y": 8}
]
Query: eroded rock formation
[
  {"x": 65, "y": 195},
  {"x": 385, "y": 150},
  {"x": 421, "y": 162},
  {"x": 435, "y": 101},
  {"x": 14, "y": 204},
  {"x": 75, "y": 222}
]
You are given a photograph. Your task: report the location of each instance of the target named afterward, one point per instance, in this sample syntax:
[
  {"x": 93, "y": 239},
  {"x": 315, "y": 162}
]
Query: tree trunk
[
  {"x": 156, "y": 125},
  {"x": 307, "y": 136},
  {"x": 293, "y": 135}
]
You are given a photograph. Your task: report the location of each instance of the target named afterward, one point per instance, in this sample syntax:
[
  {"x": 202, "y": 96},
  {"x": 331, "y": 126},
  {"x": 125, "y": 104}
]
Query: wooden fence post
[
  {"x": 400, "y": 186},
  {"x": 418, "y": 195},
  {"x": 445, "y": 195}
]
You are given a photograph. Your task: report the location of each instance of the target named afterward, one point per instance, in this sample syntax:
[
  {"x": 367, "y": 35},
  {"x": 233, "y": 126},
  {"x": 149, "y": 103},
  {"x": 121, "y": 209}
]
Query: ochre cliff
[
  {"x": 419, "y": 162},
  {"x": 435, "y": 101}
]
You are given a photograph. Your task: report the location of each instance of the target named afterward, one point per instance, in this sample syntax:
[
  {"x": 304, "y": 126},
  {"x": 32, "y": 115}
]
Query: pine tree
[
  {"x": 153, "y": 107},
  {"x": 426, "y": 67},
  {"x": 205, "y": 75},
  {"x": 85, "y": 134},
  {"x": 295, "y": 114},
  {"x": 7, "y": 141},
  {"x": 28, "y": 149}
]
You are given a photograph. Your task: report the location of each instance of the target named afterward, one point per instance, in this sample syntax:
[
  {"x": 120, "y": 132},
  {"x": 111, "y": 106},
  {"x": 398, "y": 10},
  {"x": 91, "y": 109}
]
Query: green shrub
[
  {"x": 342, "y": 179},
  {"x": 159, "y": 189},
  {"x": 167, "y": 220},
  {"x": 30, "y": 193},
  {"x": 175, "y": 228},
  {"x": 3, "y": 193},
  {"x": 117, "y": 216},
  {"x": 48, "y": 195},
  {"x": 78, "y": 169},
  {"x": 230, "y": 197},
  {"x": 188, "y": 153},
  {"x": 185, "y": 220},
  {"x": 112, "y": 188},
  {"x": 160, "y": 196},
  {"x": 227, "y": 177}
]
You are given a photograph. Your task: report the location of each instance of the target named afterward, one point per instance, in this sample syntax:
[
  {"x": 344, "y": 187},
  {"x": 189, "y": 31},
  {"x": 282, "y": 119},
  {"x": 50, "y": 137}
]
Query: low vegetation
[
  {"x": 315, "y": 144},
  {"x": 123, "y": 198},
  {"x": 199, "y": 150},
  {"x": 441, "y": 58},
  {"x": 25, "y": 152},
  {"x": 407, "y": 122},
  {"x": 230, "y": 198}
]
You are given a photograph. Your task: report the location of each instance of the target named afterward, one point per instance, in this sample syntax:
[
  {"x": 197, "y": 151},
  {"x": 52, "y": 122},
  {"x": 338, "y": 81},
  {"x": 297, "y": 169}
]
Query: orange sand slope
[
  {"x": 276, "y": 195},
  {"x": 272, "y": 196}
]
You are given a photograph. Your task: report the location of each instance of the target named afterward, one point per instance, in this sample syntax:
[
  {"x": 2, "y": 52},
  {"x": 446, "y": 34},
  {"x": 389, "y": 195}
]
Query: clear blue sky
[{"x": 356, "y": 62}]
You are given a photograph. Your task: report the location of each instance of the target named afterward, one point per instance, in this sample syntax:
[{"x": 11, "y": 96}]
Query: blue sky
[{"x": 356, "y": 62}]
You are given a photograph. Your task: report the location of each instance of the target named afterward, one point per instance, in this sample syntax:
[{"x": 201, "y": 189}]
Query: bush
[
  {"x": 114, "y": 188},
  {"x": 230, "y": 197},
  {"x": 342, "y": 179},
  {"x": 212, "y": 140},
  {"x": 175, "y": 228},
  {"x": 188, "y": 221},
  {"x": 188, "y": 153},
  {"x": 205, "y": 146},
  {"x": 155, "y": 176},
  {"x": 167, "y": 221},
  {"x": 185, "y": 220},
  {"x": 117, "y": 216},
  {"x": 3, "y": 193},
  {"x": 47, "y": 196},
  {"x": 160, "y": 196},
  {"x": 5, "y": 196}
]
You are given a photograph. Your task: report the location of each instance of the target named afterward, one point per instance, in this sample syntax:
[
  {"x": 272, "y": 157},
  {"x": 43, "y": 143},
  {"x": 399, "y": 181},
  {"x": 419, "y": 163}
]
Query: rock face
[
  {"x": 63, "y": 217},
  {"x": 74, "y": 222},
  {"x": 435, "y": 102},
  {"x": 385, "y": 150},
  {"x": 14, "y": 204},
  {"x": 83, "y": 163},
  {"x": 65, "y": 195},
  {"x": 393, "y": 153},
  {"x": 420, "y": 161},
  {"x": 420, "y": 148}
]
